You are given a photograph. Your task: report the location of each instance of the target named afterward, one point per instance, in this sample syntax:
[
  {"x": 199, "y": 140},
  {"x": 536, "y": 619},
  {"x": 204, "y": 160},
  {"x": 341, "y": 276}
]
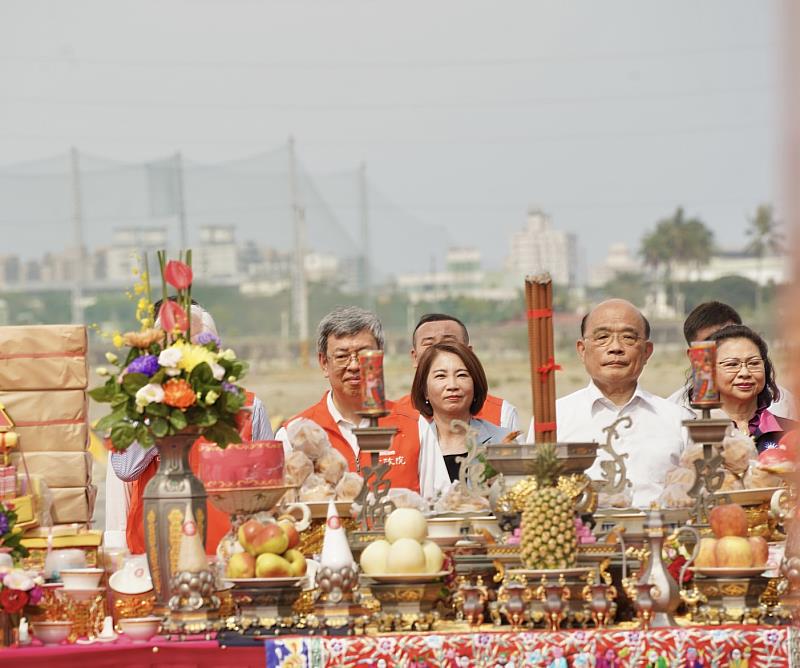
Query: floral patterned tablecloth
[{"x": 694, "y": 647}]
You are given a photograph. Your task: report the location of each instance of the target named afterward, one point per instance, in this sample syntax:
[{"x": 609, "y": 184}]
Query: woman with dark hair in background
[{"x": 747, "y": 387}]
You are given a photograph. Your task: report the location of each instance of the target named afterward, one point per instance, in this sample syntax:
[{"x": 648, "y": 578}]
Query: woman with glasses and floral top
[{"x": 747, "y": 387}]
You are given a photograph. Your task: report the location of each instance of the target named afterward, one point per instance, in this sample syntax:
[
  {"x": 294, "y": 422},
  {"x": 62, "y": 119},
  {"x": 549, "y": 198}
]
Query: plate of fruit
[
  {"x": 267, "y": 551},
  {"x": 405, "y": 555},
  {"x": 730, "y": 553}
]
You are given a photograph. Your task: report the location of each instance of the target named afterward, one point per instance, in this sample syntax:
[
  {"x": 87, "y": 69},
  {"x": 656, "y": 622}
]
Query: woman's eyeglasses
[{"x": 733, "y": 366}]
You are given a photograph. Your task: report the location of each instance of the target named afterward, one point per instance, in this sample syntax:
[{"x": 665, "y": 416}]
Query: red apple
[
  {"x": 734, "y": 552},
  {"x": 241, "y": 565},
  {"x": 760, "y": 549},
  {"x": 258, "y": 538},
  {"x": 297, "y": 562},
  {"x": 728, "y": 520},
  {"x": 791, "y": 443},
  {"x": 776, "y": 460},
  {"x": 269, "y": 565},
  {"x": 291, "y": 532}
]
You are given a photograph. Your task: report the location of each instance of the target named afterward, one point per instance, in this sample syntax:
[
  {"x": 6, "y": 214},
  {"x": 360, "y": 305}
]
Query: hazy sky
[{"x": 607, "y": 115}]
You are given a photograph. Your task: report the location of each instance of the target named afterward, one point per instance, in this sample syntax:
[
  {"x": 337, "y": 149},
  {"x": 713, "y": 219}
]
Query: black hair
[
  {"x": 770, "y": 393},
  {"x": 709, "y": 314},
  {"x": 438, "y": 317}
]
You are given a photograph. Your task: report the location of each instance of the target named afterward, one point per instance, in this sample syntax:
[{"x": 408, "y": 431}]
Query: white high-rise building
[
  {"x": 539, "y": 247},
  {"x": 217, "y": 257}
]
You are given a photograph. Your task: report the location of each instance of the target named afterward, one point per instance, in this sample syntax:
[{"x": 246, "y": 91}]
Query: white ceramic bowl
[
  {"x": 140, "y": 629},
  {"x": 52, "y": 633},
  {"x": 81, "y": 578},
  {"x": 132, "y": 578}
]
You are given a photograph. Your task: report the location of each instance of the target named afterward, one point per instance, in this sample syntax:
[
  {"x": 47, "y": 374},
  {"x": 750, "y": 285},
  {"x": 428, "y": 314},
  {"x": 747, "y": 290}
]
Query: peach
[
  {"x": 269, "y": 565},
  {"x": 728, "y": 520},
  {"x": 258, "y": 538},
  {"x": 706, "y": 557},
  {"x": 241, "y": 565},
  {"x": 734, "y": 552},
  {"x": 297, "y": 562},
  {"x": 760, "y": 550}
]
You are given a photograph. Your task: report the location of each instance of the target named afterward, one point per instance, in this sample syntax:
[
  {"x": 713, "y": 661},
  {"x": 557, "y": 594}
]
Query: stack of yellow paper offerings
[{"x": 43, "y": 378}]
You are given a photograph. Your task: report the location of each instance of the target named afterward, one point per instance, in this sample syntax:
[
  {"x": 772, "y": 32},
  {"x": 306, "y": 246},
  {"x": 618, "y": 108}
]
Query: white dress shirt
[
  {"x": 656, "y": 433},
  {"x": 785, "y": 407},
  {"x": 345, "y": 428},
  {"x": 509, "y": 418}
]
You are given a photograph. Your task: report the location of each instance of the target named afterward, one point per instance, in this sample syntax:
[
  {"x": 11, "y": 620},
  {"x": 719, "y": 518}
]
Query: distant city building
[
  {"x": 769, "y": 269},
  {"x": 540, "y": 247},
  {"x": 217, "y": 257},
  {"x": 126, "y": 244},
  {"x": 618, "y": 261},
  {"x": 463, "y": 277}
]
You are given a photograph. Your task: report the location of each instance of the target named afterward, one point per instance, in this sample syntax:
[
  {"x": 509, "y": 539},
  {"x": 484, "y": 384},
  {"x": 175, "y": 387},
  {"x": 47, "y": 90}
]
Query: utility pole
[
  {"x": 180, "y": 202},
  {"x": 79, "y": 268},
  {"x": 364, "y": 279},
  {"x": 299, "y": 286}
]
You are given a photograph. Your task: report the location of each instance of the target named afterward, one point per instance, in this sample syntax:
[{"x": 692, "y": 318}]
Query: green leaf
[
  {"x": 178, "y": 419},
  {"x": 200, "y": 416},
  {"x": 145, "y": 437},
  {"x": 133, "y": 382},
  {"x": 201, "y": 375},
  {"x": 222, "y": 434},
  {"x": 107, "y": 422},
  {"x": 120, "y": 398},
  {"x": 122, "y": 435},
  {"x": 159, "y": 426},
  {"x": 157, "y": 410},
  {"x": 158, "y": 377},
  {"x": 102, "y": 394}
]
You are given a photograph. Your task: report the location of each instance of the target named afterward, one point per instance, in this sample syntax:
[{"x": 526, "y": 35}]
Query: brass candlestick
[
  {"x": 374, "y": 506},
  {"x": 709, "y": 473},
  {"x": 615, "y": 473}
]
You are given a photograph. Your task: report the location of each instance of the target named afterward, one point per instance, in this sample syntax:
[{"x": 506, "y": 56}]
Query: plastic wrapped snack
[
  {"x": 315, "y": 488},
  {"x": 691, "y": 453},
  {"x": 349, "y": 486},
  {"x": 676, "y": 495},
  {"x": 737, "y": 451},
  {"x": 405, "y": 498},
  {"x": 331, "y": 465},
  {"x": 297, "y": 468},
  {"x": 308, "y": 437},
  {"x": 456, "y": 499},
  {"x": 620, "y": 500},
  {"x": 731, "y": 483},
  {"x": 680, "y": 475},
  {"x": 756, "y": 477}
]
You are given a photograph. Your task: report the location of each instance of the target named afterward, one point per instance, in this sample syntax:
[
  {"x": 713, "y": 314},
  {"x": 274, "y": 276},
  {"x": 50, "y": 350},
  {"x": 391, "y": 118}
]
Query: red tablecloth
[
  {"x": 125, "y": 654},
  {"x": 695, "y": 647}
]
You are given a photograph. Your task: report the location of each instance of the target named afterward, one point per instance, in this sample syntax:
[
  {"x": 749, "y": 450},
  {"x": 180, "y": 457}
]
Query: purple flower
[
  {"x": 146, "y": 364},
  {"x": 204, "y": 338},
  {"x": 3, "y": 524},
  {"x": 230, "y": 387}
]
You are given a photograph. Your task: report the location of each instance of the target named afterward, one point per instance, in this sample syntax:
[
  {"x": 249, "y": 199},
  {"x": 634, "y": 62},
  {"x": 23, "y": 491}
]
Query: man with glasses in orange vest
[{"x": 342, "y": 335}]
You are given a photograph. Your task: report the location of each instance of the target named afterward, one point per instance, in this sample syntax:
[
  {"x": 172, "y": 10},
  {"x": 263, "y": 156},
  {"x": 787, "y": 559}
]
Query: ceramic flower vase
[{"x": 165, "y": 501}]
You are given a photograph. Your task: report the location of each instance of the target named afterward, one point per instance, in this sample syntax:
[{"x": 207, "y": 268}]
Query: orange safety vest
[
  {"x": 403, "y": 458},
  {"x": 491, "y": 410},
  {"x": 218, "y": 522}
]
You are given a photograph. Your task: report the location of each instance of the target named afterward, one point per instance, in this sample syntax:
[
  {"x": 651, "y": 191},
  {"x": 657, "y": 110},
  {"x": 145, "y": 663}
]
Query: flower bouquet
[{"x": 169, "y": 381}]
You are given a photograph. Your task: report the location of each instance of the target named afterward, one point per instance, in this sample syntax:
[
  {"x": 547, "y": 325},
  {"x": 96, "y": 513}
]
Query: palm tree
[
  {"x": 765, "y": 237},
  {"x": 676, "y": 239}
]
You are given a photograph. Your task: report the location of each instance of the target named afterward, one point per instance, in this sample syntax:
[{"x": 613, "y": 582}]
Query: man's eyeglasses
[
  {"x": 604, "y": 339},
  {"x": 733, "y": 366},
  {"x": 344, "y": 360}
]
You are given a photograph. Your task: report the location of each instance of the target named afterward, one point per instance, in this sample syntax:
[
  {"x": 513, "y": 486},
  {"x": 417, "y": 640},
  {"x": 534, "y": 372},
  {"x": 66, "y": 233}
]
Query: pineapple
[{"x": 548, "y": 540}]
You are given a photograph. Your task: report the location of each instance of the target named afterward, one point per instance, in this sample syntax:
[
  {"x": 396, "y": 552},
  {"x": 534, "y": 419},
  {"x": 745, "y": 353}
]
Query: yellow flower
[
  {"x": 193, "y": 355},
  {"x": 111, "y": 357},
  {"x": 117, "y": 340}
]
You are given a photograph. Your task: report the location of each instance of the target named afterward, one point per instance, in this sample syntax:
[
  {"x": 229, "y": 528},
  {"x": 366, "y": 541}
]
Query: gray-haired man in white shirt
[{"x": 614, "y": 347}]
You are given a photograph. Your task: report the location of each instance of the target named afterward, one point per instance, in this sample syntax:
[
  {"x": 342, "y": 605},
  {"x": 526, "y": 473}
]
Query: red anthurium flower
[
  {"x": 172, "y": 317},
  {"x": 178, "y": 274},
  {"x": 13, "y": 600}
]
